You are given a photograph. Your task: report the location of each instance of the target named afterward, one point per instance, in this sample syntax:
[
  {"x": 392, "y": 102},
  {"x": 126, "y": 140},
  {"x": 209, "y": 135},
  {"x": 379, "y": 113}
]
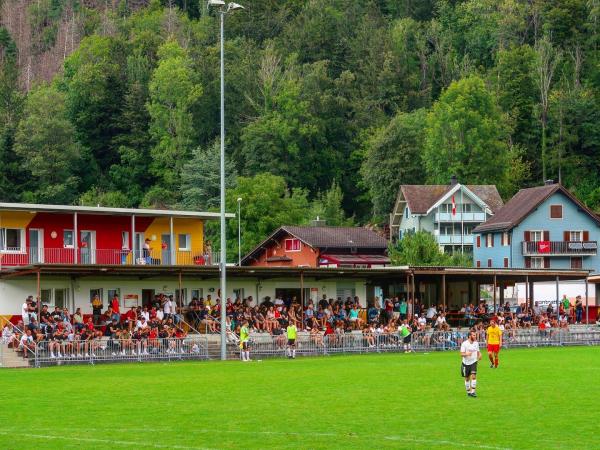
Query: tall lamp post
[
  {"x": 222, "y": 10},
  {"x": 239, "y": 200}
]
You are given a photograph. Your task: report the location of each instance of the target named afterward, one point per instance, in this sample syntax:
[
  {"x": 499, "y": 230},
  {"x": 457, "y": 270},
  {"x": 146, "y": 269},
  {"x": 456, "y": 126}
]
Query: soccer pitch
[{"x": 538, "y": 398}]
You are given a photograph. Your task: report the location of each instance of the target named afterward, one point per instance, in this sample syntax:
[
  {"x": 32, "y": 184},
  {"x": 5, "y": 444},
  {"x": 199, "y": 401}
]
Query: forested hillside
[{"x": 340, "y": 101}]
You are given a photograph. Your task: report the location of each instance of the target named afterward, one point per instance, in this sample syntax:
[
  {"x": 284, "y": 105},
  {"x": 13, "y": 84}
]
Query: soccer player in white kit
[{"x": 469, "y": 351}]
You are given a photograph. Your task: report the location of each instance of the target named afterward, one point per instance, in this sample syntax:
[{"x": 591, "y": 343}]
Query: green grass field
[{"x": 539, "y": 398}]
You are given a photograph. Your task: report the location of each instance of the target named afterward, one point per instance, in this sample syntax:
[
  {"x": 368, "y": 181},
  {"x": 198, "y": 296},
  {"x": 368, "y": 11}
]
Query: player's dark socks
[{"x": 473, "y": 394}]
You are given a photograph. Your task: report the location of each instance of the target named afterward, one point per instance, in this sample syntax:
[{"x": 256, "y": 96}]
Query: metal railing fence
[
  {"x": 104, "y": 350},
  {"x": 265, "y": 346}
]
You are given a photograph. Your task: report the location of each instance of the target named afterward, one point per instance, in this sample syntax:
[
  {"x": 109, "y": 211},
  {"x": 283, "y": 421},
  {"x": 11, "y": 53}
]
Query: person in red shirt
[{"x": 116, "y": 312}]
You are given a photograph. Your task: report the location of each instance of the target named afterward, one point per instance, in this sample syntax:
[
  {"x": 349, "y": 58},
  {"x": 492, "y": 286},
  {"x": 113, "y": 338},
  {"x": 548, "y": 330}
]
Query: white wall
[{"x": 14, "y": 291}]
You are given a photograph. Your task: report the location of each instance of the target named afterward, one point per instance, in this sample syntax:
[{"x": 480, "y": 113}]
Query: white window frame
[
  {"x": 293, "y": 249},
  {"x": 489, "y": 240},
  {"x": 537, "y": 262},
  {"x": 13, "y": 250},
  {"x": 575, "y": 231},
  {"x": 467, "y": 208},
  {"x": 531, "y": 236},
  {"x": 72, "y": 244},
  {"x": 188, "y": 242},
  {"x": 562, "y": 212},
  {"x": 505, "y": 239}
]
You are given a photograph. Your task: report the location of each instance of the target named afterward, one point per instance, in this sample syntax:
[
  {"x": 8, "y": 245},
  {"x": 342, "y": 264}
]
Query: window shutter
[
  {"x": 509, "y": 238},
  {"x": 566, "y": 236},
  {"x": 506, "y": 262},
  {"x": 546, "y": 262},
  {"x": 478, "y": 242},
  {"x": 586, "y": 236},
  {"x": 489, "y": 263},
  {"x": 478, "y": 263},
  {"x": 527, "y": 236},
  {"x": 491, "y": 240},
  {"x": 528, "y": 262},
  {"x": 546, "y": 235}
]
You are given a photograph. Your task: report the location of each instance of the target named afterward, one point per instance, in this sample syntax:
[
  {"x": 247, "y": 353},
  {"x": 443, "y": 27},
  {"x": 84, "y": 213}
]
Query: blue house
[{"x": 542, "y": 227}]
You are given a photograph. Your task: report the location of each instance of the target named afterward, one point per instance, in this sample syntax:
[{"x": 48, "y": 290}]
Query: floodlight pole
[{"x": 223, "y": 259}]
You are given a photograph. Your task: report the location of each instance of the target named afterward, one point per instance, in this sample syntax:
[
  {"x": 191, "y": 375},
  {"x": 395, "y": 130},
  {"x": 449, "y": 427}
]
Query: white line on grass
[
  {"x": 106, "y": 441},
  {"x": 437, "y": 442}
]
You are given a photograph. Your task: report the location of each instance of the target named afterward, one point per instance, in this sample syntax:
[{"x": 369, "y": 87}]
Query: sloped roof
[
  {"x": 338, "y": 237},
  {"x": 420, "y": 197},
  {"x": 523, "y": 203},
  {"x": 325, "y": 237}
]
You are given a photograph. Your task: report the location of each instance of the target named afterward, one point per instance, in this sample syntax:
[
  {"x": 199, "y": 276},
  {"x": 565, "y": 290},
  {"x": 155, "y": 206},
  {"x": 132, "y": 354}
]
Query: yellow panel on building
[
  {"x": 15, "y": 219},
  {"x": 192, "y": 245}
]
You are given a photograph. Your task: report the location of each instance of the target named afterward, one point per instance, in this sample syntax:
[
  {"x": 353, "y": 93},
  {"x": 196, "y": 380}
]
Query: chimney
[
  {"x": 453, "y": 180},
  {"x": 318, "y": 222},
  {"x": 548, "y": 182}
]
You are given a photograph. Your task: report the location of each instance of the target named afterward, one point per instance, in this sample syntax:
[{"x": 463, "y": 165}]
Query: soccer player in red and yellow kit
[{"x": 494, "y": 342}]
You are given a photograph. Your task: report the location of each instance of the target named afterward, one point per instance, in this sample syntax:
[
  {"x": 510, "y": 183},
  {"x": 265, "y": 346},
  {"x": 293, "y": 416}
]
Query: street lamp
[
  {"x": 222, "y": 10},
  {"x": 239, "y": 200}
]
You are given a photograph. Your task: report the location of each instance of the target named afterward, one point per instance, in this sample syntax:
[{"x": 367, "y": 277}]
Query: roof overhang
[
  {"x": 467, "y": 191},
  {"x": 399, "y": 273},
  {"x": 100, "y": 210}
]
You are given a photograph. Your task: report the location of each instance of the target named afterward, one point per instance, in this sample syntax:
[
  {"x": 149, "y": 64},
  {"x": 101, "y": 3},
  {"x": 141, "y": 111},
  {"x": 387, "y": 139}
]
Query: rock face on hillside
[{"x": 47, "y": 31}]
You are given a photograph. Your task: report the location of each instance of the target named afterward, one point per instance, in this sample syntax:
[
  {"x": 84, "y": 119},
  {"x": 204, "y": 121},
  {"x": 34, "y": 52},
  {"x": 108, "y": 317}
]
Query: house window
[
  {"x": 12, "y": 239},
  {"x": 536, "y": 236},
  {"x": 505, "y": 263},
  {"x": 406, "y": 212},
  {"x": 556, "y": 211},
  {"x": 68, "y": 239},
  {"x": 468, "y": 229},
  {"x": 196, "y": 293},
  {"x": 125, "y": 240},
  {"x": 292, "y": 245},
  {"x": 537, "y": 263},
  {"x": 575, "y": 236},
  {"x": 478, "y": 241},
  {"x": 478, "y": 263},
  {"x": 505, "y": 239},
  {"x": 467, "y": 207},
  {"x": 489, "y": 263},
  {"x": 576, "y": 262},
  {"x": 46, "y": 296},
  {"x": 60, "y": 297},
  {"x": 185, "y": 242},
  {"x": 489, "y": 240}
]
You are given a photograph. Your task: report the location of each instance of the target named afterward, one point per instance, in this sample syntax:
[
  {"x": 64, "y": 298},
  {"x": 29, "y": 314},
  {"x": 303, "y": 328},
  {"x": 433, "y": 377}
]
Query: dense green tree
[
  {"x": 173, "y": 91},
  {"x": 394, "y": 158},
  {"x": 421, "y": 249},
  {"x": 468, "y": 136},
  {"x": 12, "y": 178},
  {"x": 201, "y": 179},
  {"x": 267, "y": 203},
  {"x": 45, "y": 141},
  {"x": 328, "y": 207}
]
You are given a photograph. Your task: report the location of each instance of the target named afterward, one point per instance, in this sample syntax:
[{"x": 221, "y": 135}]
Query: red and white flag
[{"x": 453, "y": 206}]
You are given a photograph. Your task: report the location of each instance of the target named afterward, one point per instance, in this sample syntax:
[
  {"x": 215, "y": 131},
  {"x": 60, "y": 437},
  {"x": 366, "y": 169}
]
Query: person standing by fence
[
  {"x": 405, "y": 333},
  {"x": 292, "y": 333},
  {"x": 244, "y": 338}
]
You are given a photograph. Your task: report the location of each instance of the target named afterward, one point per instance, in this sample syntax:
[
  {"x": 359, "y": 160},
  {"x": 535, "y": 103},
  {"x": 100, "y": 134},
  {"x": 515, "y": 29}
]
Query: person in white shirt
[
  {"x": 470, "y": 354},
  {"x": 25, "y": 311},
  {"x": 167, "y": 307},
  {"x": 440, "y": 321},
  {"x": 431, "y": 312},
  {"x": 422, "y": 321},
  {"x": 141, "y": 323}
]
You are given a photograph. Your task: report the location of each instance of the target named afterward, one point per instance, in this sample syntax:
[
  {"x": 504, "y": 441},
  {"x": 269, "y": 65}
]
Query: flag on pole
[{"x": 453, "y": 206}]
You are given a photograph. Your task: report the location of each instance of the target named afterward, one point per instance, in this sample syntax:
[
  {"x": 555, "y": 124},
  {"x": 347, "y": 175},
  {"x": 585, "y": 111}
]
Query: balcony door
[
  {"x": 166, "y": 248},
  {"x": 536, "y": 236},
  {"x": 87, "y": 241},
  {"x": 36, "y": 246}
]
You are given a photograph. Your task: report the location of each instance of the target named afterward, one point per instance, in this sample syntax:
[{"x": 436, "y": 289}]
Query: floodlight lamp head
[
  {"x": 233, "y": 6},
  {"x": 215, "y": 3}
]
